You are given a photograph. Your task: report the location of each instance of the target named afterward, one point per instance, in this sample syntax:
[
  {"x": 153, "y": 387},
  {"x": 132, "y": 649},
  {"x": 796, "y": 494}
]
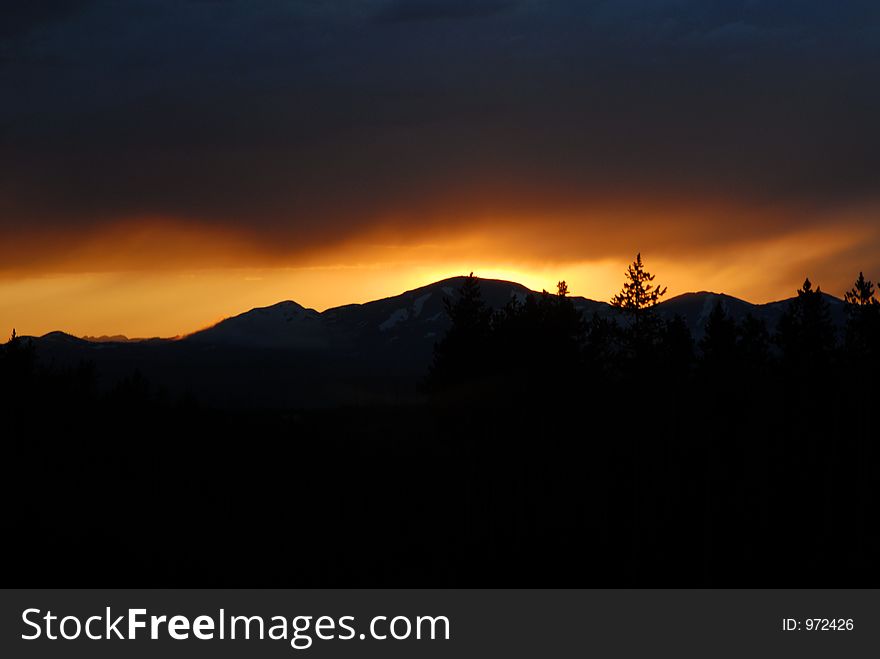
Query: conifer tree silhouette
[
  {"x": 637, "y": 299},
  {"x": 718, "y": 344},
  {"x": 863, "y": 320},
  {"x": 565, "y": 329},
  {"x": 861, "y": 294},
  {"x": 805, "y": 333},
  {"x": 638, "y": 293},
  {"x": 17, "y": 367},
  {"x": 463, "y": 353},
  {"x": 601, "y": 351},
  {"x": 538, "y": 342},
  {"x": 678, "y": 346},
  {"x": 753, "y": 343}
]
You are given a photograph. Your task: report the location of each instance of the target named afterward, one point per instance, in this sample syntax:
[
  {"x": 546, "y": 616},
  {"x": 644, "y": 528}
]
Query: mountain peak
[
  {"x": 418, "y": 316},
  {"x": 284, "y": 305},
  {"x": 285, "y": 324}
]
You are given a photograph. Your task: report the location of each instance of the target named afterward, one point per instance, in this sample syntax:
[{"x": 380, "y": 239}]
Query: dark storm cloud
[
  {"x": 305, "y": 121},
  {"x": 430, "y": 10},
  {"x": 19, "y": 18}
]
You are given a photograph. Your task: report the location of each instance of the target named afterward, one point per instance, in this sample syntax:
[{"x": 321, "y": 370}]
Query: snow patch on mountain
[
  {"x": 419, "y": 303},
  {"x": 398, "y": 316}
]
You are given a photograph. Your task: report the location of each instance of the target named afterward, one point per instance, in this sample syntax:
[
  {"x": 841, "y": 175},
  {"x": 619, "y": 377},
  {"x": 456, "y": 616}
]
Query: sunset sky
[{"x": 164, "y": 164}]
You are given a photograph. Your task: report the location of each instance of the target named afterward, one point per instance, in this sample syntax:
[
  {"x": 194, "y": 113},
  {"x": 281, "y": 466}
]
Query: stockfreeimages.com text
[{"x": 300, "y": 631}]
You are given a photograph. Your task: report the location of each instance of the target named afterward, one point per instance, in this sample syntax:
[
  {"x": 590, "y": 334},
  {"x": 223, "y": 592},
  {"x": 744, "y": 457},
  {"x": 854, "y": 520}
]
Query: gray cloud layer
[{"x": 310, "y": 120}]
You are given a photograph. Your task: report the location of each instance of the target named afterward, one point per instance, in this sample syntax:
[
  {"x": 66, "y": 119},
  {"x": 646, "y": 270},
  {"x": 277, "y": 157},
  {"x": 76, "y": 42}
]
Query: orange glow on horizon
[{"x": 166, "y": 278}]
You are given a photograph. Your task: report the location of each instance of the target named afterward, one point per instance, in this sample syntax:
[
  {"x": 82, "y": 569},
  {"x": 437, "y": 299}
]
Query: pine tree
[
  {"x": 565, "y": 328},
  {"x": 753, "y": 344},
  {"x": 468, "y": 313},
  {"x": 719, "y": 341},
  {"x": 678, "y": 347},
  {"x": 17, "y": 368},
  {"x": 805, "y": 332},
  {"x": 463, "y": 352},
  {"x": 602, "y": 345},
  {"x": 539, "y": 340},
  {"x": 861, "y": 294},
  {"x": 638, "y": 293},
  {"x": 863, "y": 320},
  {"x": 637, "y": 299}
]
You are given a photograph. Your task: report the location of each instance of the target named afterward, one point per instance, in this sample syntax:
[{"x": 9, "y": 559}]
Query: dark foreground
[
  {"x": 758, "y": 487},
  {"x": 540, "y": 450}
]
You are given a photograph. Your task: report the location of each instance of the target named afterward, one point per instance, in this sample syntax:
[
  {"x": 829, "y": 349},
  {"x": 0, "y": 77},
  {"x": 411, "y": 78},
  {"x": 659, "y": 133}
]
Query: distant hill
[
  {"x": 287, "y": 353},
  {"x": 696, "y": 307},
  {"x": 397, "y": 332},
  {"x": 282, "y": 325},
  {"x": 115, "y": 338}
]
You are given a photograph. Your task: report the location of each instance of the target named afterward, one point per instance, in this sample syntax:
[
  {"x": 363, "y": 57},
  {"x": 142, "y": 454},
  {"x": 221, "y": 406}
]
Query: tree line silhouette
[
  {"x": 547, "y": 449},
  {"x": 748, "y": 457},
  {"x": 542, "y": 343}
]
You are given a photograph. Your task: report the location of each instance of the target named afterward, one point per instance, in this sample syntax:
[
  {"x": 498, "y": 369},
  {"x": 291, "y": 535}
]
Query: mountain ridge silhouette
[{"x": 244, "y": 327}]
